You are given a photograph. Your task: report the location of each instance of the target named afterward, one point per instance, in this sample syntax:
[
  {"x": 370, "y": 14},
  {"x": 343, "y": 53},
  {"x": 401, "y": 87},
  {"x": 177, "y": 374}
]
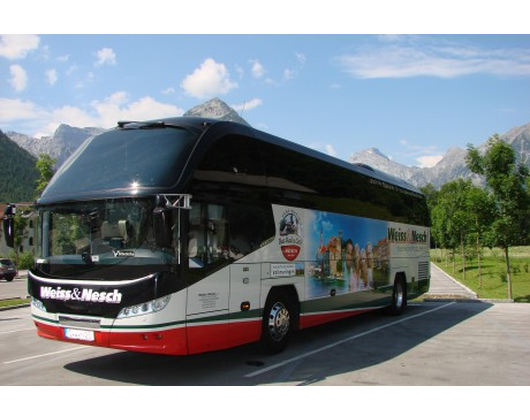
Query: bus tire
[
  {"x": 277, "y": 324},
  {"x": 399, "y": 296}
]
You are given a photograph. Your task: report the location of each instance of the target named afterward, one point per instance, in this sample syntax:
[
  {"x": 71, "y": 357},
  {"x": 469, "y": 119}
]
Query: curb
[
  {"x": 10, "y": 308},
  {"x": 20, "y": 305}
]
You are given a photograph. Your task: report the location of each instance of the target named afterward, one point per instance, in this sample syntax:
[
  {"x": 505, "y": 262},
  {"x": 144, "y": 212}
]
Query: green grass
[
  {"x": 13, "y": 302},
  {"x": 494, "y": 283}
]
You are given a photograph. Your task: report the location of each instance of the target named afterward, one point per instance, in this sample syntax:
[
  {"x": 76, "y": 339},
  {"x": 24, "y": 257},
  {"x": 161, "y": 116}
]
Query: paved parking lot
[
  {"x": 16, "y": 288},
  {"x": 438, "y": 342}
]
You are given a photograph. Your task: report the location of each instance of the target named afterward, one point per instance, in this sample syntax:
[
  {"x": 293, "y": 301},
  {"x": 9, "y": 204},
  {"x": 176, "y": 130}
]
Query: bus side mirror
[
  {"x": 9, "y": 225},
  {"x": 162, "y": 227}
]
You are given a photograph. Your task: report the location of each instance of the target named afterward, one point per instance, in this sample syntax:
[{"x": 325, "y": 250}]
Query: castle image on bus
[{"x": 186, "y": 235}]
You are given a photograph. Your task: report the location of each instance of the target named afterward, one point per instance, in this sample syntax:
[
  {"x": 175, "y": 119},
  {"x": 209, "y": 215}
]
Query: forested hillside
[{"x": 18, "y": 173}]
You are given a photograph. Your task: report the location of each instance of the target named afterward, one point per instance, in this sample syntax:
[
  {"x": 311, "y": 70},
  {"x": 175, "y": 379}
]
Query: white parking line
[
  {"x": 338, "y": 343},
  {"x": 44, "y": 355},
  {"x": 15, "y": 331}
]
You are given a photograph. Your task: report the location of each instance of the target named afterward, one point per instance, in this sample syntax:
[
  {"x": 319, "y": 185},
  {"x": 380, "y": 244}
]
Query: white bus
[{"x": 185, "y": 235}]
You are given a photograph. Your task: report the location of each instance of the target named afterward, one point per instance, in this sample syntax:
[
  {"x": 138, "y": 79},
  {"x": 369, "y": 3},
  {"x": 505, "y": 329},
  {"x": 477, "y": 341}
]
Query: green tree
[
  {"x": 431, "y": 195},
  {"x": 508, "y": 182},
  {"x": 451, "y": 219},
  {"x": 479, "y": 206},
  {"x": 45, "y": 166}
]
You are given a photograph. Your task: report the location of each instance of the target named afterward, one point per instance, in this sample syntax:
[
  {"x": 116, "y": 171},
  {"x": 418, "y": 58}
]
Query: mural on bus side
[
  {"x": 349, "y": 254},
  {"x": 341, "y": 254}
]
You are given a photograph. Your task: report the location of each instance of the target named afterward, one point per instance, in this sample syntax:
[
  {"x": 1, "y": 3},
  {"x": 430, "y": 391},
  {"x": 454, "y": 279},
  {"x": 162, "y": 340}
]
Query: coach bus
[{"x": 184, "y": 235}]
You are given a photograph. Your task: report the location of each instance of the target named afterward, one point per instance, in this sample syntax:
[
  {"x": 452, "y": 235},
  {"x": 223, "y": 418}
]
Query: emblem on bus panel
[{"x": 291, "y": 235}]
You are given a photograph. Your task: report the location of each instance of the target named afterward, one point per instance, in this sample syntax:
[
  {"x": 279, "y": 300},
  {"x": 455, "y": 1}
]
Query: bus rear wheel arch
[
  {"x": 399, "y": 295},
  {"x": 280, "y": 319}
]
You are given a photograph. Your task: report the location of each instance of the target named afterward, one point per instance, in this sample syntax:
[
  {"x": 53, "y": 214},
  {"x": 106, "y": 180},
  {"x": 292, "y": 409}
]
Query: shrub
[
  {"x": 23, "y": 260},
  {"x": 503, "y": 276}
]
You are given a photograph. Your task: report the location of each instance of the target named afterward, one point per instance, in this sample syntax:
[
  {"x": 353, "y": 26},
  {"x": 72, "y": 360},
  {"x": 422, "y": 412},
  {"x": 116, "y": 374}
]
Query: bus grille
[{"x": 423, "y": 270}]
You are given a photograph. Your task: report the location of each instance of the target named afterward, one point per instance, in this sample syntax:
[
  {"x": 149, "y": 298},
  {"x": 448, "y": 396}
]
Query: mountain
[
  {"x": 16, "y": 164},
  {"x": 376, "y": 159},
  {"x": 217, "y": 109},
  {"x": 451, "y": 167},
  {"x": 60, "y": 145},
  {"x": 519, "y": 138},
  {"x": 66, "y": 139}
]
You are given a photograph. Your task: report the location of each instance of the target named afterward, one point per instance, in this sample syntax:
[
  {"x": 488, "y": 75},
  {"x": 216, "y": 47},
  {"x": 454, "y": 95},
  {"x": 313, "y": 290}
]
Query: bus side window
[
  {"x": 250, "y": 226},
  {"x": 207, "y": 244}
]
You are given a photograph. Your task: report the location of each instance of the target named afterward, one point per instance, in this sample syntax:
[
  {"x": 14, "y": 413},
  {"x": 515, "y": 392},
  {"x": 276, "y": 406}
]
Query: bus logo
[{"x": 291, "y": 238}]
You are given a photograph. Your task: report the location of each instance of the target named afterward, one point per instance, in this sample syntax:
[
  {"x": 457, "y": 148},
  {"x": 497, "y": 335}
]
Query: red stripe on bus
[
  {"x": 203, "y": 338},
  {"x": 176, "y": 341}
]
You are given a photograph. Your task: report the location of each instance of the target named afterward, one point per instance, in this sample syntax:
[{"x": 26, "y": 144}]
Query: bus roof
[
  {"x": 206, "y": 123},
  {"x": 87, "y": 175}
]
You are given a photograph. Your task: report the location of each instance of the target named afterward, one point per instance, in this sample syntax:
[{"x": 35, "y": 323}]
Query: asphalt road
[{"x": 433, "y": 343}]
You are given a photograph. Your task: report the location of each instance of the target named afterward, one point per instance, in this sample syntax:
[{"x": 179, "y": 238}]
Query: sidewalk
[{"x": 444, "y": 286}]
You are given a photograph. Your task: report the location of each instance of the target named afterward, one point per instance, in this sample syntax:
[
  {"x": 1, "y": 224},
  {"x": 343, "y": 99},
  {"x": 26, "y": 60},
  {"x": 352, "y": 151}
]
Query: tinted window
[
  {"x": 251, "y": 225},
  {"x": 219, "y": 234},
  {"x": 124, "y": 159},
  {"x": 305, "y": 181},
  {"x": 232, "y": 160}
]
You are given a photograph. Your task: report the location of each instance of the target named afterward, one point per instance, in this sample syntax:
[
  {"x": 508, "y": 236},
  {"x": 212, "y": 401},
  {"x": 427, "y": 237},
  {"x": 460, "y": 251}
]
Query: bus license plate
[{"x": 82, "y": 335}]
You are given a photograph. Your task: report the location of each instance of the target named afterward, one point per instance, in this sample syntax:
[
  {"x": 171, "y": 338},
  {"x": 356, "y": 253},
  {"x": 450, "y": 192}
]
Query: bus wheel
[
  {"x": 399, "y": 296},
  {"x": 277, "y": 323}
]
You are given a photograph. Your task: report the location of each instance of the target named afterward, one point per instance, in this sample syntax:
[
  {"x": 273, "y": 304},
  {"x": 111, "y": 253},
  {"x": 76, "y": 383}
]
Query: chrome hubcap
[
  {"x": 279, "y": 321},
  {"x": 399, "y": 295}
]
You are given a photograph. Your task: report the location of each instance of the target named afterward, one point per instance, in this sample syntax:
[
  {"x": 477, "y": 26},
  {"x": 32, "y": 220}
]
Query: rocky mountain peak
[{"x": 217, "y": 109}]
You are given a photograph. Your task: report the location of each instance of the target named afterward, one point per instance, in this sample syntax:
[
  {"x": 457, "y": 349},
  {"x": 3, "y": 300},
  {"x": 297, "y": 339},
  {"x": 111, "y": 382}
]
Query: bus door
[
  {"x": 245, "y": 315},
  {"x": 207, "y": 308}
]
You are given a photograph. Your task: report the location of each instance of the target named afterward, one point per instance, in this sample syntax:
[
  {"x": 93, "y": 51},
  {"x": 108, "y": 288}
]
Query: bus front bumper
[{"x": 171, "y": 341}]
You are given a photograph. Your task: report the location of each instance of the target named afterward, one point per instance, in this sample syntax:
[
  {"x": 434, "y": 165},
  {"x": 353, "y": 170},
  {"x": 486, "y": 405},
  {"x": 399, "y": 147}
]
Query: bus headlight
[
  {"x": 38, "y": 304},
  {"x": 145, "y": 308}
]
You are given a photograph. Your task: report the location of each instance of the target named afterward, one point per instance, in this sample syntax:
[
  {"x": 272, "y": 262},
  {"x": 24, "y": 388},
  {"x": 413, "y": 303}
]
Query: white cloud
[
  {"x": 72, "y": 70},
  {"x": 19, "y": 77},
  {"x": 245, "y": 106},
  {"x": 51, "y": 76},
  {"x": 12, "y": 110},
  {"x": 413, "y": 58},
  {"x": 271, "y": 82},
  {"x": 168, "y": 91},
  {"x": 301, "y": 57},
  {"x": 429, "y": 161},
  {"x": 118, "y": 107},
  {"x": 330, "y": 150},
  {"x": 15, "y": 47},
  {"x": 106, "y": 56},
  {"x": 105, "y": 113},
  {"x": 258, "y": 71},
  {"x": 289, "y": 74},
  {"x": 240, "y": 71},
  {"x": 209, "y": 79}
]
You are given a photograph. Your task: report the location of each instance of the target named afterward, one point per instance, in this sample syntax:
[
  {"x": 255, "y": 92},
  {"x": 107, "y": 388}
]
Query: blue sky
[{"x": 411, "y": 96}]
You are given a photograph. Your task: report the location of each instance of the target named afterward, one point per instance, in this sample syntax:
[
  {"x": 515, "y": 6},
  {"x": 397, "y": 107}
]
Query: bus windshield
[
  {"x": 110, "y": 239},
  {"x": 123, "y": 161}
]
